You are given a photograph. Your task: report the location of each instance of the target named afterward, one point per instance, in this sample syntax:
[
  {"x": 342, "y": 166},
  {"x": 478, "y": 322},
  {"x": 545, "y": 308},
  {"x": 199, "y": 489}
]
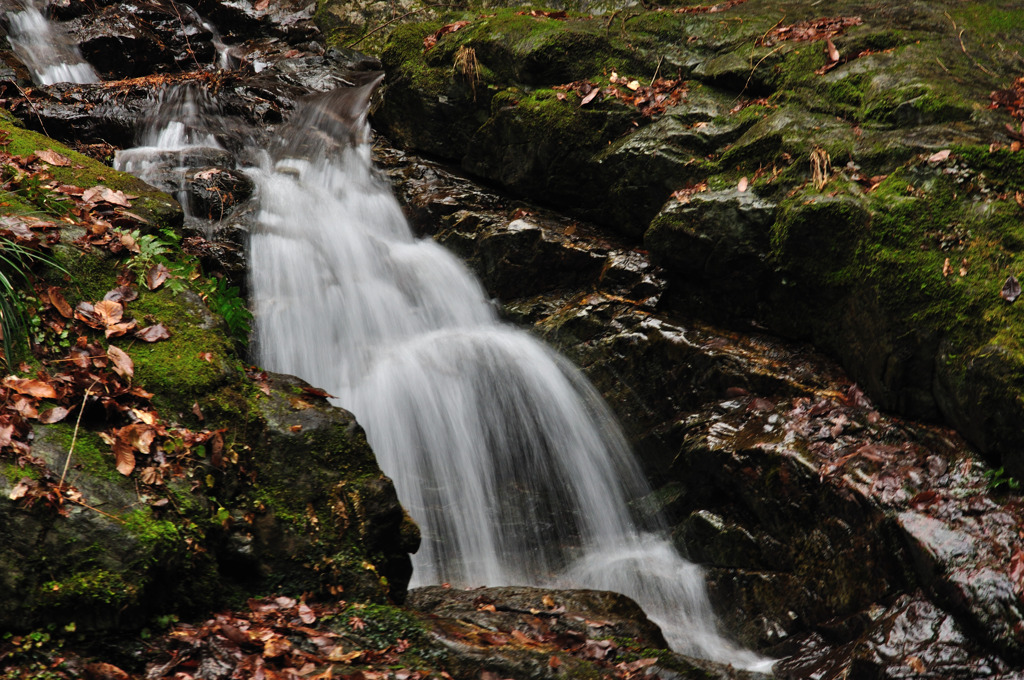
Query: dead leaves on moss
[
  {"x": 431, "y": 40},
  {"x": 825, "y": 28},
  {"x": 649, "y": 100}
]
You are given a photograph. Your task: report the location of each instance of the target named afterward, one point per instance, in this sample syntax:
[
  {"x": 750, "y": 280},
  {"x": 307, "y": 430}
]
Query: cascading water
[
  {"x": 508, "y": 459},
  {"x": 177, "y": 135},
  {"x": 512, "y": 465},
  {"x": 41, "y": 47}
]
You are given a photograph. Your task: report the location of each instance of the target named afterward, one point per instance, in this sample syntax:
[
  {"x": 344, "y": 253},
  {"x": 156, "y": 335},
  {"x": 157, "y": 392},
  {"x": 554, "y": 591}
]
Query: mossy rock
[{"x": 284, "y": 496}]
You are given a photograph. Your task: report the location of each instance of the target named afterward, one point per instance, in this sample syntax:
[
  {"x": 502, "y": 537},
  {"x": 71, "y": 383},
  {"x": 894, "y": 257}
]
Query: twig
[
  {"x": 95, "y": 509},
  {"x": 657, "y": 70},
  {"x": 74, "y": 436},
  {"x": 32, "y": 108},
  {"x": 751, "y": 76},
  {"x": 386, "y": 24},
  {"x": 960, "y": 37}
]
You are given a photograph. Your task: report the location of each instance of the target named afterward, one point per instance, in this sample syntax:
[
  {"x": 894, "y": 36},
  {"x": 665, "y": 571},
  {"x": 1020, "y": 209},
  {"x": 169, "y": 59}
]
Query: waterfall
[
  {"x": 507, "y": 458},
  {"x": 42, "y": 48},
  {"x": 512, "y": 465}
]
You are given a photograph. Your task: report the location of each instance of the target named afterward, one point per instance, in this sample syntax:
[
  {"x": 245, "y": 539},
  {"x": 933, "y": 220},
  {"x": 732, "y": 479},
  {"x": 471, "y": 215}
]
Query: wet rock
[
  {"x": 510, "y": 630},
  {"x": 214, "y": 191},
  {"x": 609, "y": 613},
  {"x": 717, "y": 240}
]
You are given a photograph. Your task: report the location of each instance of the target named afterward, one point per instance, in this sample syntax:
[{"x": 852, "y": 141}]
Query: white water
[
  {"x": 177, "y": 135},
  {"x": 40, "y": 46},
  {"x": 513, "y": 467}
]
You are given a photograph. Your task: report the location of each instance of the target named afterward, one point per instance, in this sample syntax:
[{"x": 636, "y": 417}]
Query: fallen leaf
[
  {"x": 124, "y": 454},
  {"x": 104, "y": 671},
  {"x": 53, "y": 158},
  {"x": 156, "y": 276},
  {"x": 206, "y": 356},
  {"x": 1011, "y": 289},
  {"x": 20, "y": 489},
  {"x": 118, "y": 329},
  {"x": 108, "y": 312},
  {"x": 306, "y": 614},
  {"x": 833, "y": 53},
  {"x": 121, "y": 362},
  {"x": 743, "y": 184},
  {"x": 53, "y": 415},
  {"x": 939, "y": 156},
  {"x": 33, "y": 388},
  {"x": 633, "y": 85},
  {"x": 548, "y": 601},
  {"x": 59, "y": 303},
  {"x": 153, "y": 333},
  {"x": 590, "y": 96},
  {"x": 554, "y": 662},
  {"x": 432, "y": 39},
  {"x": 262, "y": 5},
  {"x": 295, "y": 428},
  {"x": 317, "y": 392},
  {"x": 915, "y": 664},
  {"x": 947, "y": 269},
  {"x": 122, "y": 294}
]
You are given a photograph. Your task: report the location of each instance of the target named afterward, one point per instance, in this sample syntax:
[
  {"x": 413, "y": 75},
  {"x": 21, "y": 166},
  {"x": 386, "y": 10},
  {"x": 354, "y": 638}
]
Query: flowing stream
[
  {"x": 510, "y": 462},
  {"x": 41, "y": 46}
]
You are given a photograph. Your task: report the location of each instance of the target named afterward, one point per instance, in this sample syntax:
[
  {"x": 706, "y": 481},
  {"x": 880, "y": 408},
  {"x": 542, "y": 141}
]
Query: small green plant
[
  {"x": 998, "y": 479},
  {"x": 227, "y": 301},
  {"x": 16, "y": 261}
]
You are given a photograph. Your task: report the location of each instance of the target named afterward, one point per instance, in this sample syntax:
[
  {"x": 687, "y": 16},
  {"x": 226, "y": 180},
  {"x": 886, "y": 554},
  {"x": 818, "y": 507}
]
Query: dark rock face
[
  {"x": 835, "y": 536},
  {"x": 848, "y": 242}
]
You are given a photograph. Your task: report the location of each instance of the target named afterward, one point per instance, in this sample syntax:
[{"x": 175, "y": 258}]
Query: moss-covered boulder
[
  {"x": 880, "y": 147},
  {"x": 147, "y": 470}
]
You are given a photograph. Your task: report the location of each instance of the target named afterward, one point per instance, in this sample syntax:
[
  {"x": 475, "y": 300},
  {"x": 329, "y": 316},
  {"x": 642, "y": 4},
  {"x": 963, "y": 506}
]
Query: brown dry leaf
[
  {"x": 947, "y": 268},
  {"x": 108, "y": 312},
  {"x": 915, "y": 664},
  {"x": 1011, "y": 289},
  {"x": 206, "y": 356},
  {"x": 432, "y": 39},
  {"x": 148, "y": 417},
  {"x": 138, "y": 435},
  {"x": 963, "y": 267},
  {"x": 122, "y": 294},
  {"x": 33, "y": 388},
  {"x": 24, "y": 405},
  {"x": 153, "y": 333},
  {"x": 56, "y": 296},
  {"x": 261, "y": 5},
  {"x": 1019, "y": 197},
  {"x": 118, "y": 329},
  {"x": 299, "y": 404},
  {"x": 275, "y": 647},
  {"x": 151, "y": 475},
  {"x": 743, "y": 184},
  {"x": 306, "y": 614},
  {"x": 53, "y": 158},
  {"x": 295, "y": 428},
  {"x": 939, "y": 156},
  {"x": 53, "y": 415},
  {"x": 20, "y": 489},
  {"x": 156, "y": 276},
  {"x": 124, "y": 454},
  {"x": 554, "y": 662},
  {"x": 633, "y": 85},
  {"x": 833, "y": 53},
  {"x": 121, "y": 362},
  {"x": 104, "y": 671},
  {"x": 548, "y": 601},
  {"x": 590, "y": 96}
]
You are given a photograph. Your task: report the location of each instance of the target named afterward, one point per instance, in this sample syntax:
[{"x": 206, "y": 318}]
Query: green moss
[
  {"x": 91, "y": 453},
  {"x": 174, "y": 369},
  {"x": 15, "y": 473},
  {"x": 155, "y": 206},
  {"x": 88, "y": 589},
  {"x": 157, "y": 538}
]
